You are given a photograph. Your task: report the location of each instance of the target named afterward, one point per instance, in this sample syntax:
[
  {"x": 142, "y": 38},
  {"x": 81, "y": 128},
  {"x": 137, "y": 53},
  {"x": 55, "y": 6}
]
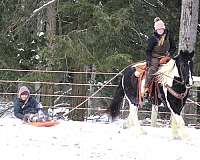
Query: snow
[
  {"x": 20, "y": 49},
  {"x": 93, "y": 141},
  {"x": 41, "y": 34},
  {"x": 196, "y": 78},
  {"x": 44, "y": 5}
]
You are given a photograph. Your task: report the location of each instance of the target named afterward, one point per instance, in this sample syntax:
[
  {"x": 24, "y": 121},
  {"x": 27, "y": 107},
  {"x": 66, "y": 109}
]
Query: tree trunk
[
  {"x": 78, "y": 114},
  {"x": 40, "y": 28},
  {"x": 188, "y": 25},
  {"x": 198, "y": 107},
  {"x": 51, "y": 31},
  {"x": 51, "y": 24},
  {"x": 187, "y": 40},
  {"x": 40, "y": 20},
  {"x": 91, "y": 88}
]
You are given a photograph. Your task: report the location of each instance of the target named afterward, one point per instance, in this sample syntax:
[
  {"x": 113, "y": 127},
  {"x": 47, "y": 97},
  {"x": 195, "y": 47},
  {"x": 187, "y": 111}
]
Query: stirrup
[
  {"x": 146, "y": 95},
  {"x": 144, "y": 91}
]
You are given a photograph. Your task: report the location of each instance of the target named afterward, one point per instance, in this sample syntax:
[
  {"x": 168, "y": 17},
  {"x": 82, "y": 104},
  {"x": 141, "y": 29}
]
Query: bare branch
[
  {"x": 150, "y": 3},
  {"x": 36, "y": 11}
]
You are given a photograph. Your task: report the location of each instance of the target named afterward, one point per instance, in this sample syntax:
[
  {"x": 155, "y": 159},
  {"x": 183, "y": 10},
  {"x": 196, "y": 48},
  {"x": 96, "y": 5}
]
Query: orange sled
[{"x": 45, "y": 124}]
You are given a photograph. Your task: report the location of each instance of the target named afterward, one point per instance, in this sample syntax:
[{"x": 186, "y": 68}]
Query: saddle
[
  {"x": 141, "y": 72},
  {"x": 141, "y": 69}
]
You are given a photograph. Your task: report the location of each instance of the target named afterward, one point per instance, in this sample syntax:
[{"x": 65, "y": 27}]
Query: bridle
[{"x": 181, "y": 74}]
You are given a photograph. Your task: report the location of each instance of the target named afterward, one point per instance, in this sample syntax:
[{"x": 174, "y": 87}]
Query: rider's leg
[{"x": 150, "y": 73}]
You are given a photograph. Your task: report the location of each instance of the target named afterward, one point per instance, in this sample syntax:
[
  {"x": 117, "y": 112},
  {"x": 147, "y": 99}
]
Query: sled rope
[
  {"x": 193, "y": 102},
  {"x": 65, "y": 114}
]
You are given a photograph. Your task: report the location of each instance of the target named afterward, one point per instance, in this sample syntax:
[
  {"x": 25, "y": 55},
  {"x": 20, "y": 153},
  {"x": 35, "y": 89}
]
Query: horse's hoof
[
  {"x": 176, "y": 137},
  {"x": 125, "y": 125},
  {"x": 114, "y": 119},
  {"x": 184, "y": 136},
  {"x": 141, "y": 131}
]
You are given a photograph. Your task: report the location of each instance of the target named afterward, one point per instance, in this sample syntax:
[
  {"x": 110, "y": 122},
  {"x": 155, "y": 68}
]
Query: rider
[
  {"x": 160, "y": 44},
  {"x": 27, "y": 108}
]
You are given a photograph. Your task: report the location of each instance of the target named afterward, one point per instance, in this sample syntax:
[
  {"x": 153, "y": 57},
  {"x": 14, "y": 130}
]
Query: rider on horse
[{"x": 159, "y": 45}]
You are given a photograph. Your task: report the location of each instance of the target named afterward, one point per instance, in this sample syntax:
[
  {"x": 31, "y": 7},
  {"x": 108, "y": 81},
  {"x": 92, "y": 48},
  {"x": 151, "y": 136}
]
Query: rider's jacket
[{"x": 154, "y": 50}]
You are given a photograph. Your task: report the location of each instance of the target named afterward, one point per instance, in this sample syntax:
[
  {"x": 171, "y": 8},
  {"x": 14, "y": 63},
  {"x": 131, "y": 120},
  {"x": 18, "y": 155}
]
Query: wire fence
[{"x": 8, "y": 92}]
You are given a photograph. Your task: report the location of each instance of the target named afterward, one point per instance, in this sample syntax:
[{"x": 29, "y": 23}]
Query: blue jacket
[{"x": 32, "y": 106}]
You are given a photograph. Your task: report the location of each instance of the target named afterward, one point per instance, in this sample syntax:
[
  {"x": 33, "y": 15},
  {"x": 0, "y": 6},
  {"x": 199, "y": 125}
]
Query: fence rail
[
  {"x": 58, "y": 95},
  {"x": 4, "y": 81},
  {"x": 48, "y": 71}
]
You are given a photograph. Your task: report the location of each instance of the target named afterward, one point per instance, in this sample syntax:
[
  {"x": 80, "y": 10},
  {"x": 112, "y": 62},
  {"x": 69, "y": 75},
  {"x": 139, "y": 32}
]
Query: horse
[{"x": 171, "y": 85}]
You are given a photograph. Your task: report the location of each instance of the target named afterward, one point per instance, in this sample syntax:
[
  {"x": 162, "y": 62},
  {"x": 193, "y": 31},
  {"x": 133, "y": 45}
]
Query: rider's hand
[
  {"x": 148, "y": 63},
  {"x": 167, "y": 54}
]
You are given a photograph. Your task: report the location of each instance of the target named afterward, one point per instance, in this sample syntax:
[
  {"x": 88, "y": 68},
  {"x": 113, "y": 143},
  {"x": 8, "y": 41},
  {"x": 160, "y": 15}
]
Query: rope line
[
  {"x": 48, "y": 71},
  {"x": 96, "y": 91},
  {"x": 193, "y": 102}
]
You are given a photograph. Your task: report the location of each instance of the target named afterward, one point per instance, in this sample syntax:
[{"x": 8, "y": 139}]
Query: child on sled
[{"x": 27, "y": 108}]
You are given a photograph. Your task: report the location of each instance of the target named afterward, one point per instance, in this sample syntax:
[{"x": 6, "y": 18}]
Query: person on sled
[
  {"x": 27, "y": 108},
  {"x": 160, "y": 44}
]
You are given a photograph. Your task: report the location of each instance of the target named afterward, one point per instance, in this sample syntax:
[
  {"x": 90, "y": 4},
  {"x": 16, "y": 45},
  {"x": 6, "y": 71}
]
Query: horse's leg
[
  {"x": 178, "y": 127},
  {"x": 133, "y": 121},
  {"x": 130, "y": 86},
  {"x": 115, "y": 105},
  {"x": 174, "y": 127},
  {"x": 154, "y": 115},
  {"x": 177, "y": 122}
]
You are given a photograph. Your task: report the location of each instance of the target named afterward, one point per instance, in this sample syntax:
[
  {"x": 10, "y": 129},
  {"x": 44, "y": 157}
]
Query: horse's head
[{"x": 184, "y": 64}]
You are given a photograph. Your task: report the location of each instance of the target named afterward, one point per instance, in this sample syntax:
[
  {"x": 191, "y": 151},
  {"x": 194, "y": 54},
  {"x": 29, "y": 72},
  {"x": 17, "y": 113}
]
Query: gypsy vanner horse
[{"x": 170, "y": 86}]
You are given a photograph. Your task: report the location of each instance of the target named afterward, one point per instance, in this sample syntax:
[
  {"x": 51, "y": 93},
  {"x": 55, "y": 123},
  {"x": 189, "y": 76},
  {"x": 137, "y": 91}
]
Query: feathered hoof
[
  {"x": 114, "y": 119},
  {"x": 125, "y": 125},
  {"x": 138, "y": 130},
  {"x": 141, "y": 131},
  {"x": 178, "y": 128},
  {"x": 183, "y": 134},
  {"x": 176, "y": 137}
]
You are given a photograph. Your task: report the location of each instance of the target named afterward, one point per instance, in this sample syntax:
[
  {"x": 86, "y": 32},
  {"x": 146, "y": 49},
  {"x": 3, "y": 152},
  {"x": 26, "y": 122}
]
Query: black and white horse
[{"x": 175, "y": 80}]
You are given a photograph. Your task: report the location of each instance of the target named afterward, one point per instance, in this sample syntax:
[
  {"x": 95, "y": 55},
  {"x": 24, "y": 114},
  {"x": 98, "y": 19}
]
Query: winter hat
[
  {"x": 158, "y": 24},
  {"x": 23, "y": 91}
]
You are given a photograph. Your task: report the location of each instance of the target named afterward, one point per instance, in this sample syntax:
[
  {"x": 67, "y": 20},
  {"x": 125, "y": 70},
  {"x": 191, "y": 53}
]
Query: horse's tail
[{"x": 116, "y": 101}]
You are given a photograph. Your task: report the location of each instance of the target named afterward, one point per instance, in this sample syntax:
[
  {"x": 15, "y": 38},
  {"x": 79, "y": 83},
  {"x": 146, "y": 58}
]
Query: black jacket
[
  {"x": 153, "y": 41},
  {"x": 32, "y": 106}
]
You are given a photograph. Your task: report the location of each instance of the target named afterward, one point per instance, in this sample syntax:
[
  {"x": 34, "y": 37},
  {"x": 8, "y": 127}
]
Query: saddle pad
[{"x": 45, "y": 124}]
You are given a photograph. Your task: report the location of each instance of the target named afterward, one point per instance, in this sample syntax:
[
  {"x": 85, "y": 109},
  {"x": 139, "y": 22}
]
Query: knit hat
[
  {"x": 23, "y": 90},
  {"x": 158, "y": 24}
]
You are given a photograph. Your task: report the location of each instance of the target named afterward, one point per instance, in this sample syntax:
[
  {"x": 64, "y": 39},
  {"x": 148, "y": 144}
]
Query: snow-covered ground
[{"x": 92, "y": 141}]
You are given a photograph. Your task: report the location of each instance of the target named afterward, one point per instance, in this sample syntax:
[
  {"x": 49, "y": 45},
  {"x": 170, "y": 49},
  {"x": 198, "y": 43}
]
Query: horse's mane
[{"x": 166, "y": 72}]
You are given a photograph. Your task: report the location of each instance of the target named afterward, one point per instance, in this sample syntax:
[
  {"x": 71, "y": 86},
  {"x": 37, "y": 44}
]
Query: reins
[
  {"x": 180, "y": 96},
  {"x": 175, "y": 94}
]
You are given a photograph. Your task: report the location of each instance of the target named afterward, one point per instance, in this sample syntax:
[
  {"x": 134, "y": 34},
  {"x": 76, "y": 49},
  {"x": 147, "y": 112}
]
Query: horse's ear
[
  {"x": 192, "y": 54},
  {"x": 175, "y": 57},
  {"x": 181, "y": 51}
]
